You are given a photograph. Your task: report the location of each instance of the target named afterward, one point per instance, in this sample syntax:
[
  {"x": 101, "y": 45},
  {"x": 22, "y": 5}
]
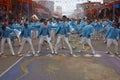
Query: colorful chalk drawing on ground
[{"x": 64, "y": 68}]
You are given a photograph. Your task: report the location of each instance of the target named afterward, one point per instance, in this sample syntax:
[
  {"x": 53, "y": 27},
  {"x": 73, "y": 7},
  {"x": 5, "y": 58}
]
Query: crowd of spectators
[{"x": 11, "y": 15}]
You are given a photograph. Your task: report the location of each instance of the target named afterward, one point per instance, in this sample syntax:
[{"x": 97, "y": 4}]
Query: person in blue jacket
[
  {"x": 44, "y": 34},
  {"x": 35, "y": 32},
  {"x": 62, "y": 33},
  {"x": 105, "y": 26},
  {"x": 74, "y": 31},
  {"x": 6, "y": 35},
  {"x": 74, "y": 26},
  {"x": 87, "y": 33},
  {"x": 26, "y": 36},
  {"x": 52, "y": 27},
  {"x": 97, "y": 26},
  {"x": 82, "y": 24},
  {"x": 58, "y": 22},
  {"x": 62, "y": 43},
  {"x": 17, "y": 28},
  {"x": 112, "y": 36}
]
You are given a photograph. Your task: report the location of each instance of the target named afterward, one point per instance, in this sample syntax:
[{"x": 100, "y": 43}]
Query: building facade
[{"x": 47, "y": 4}]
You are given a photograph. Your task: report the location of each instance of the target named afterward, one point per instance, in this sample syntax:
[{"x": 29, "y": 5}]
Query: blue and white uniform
[
  {"x": 62, "y": 31},
  {"x": 52, "y": 27},
  {"x": 35, "y": 32},
  {"x": 104, "y": 27},
  {"x": 82, "y": 25},
  {"x": 74, "y": 32},
  {"x": 6, "y": 35},
  {"x": 17, "y": 28},
  {"x": 26, "y": 36},
  {"x": 87, "y": 33},
  {"x": 44, "y": 34},
  {"x": 97, "y": 26},
  {"x": 112, "y": 36},
  {"x": 74, "y": 27}
]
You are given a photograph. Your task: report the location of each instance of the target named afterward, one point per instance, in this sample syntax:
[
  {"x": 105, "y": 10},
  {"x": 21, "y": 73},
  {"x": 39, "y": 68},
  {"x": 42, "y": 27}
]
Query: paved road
[
  {"x": 5, "y": 62},
  {"x": 58, "y": 67}
]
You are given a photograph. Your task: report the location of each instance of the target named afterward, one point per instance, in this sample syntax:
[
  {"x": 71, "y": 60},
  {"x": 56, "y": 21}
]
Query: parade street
[
  {"x": 59, "y": 39},
  {"x": 61, "y": 67}
]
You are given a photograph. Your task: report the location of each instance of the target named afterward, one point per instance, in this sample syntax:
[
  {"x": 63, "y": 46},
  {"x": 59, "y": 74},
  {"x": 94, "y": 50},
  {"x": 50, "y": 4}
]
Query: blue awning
[{"x": 117, "y": 6}]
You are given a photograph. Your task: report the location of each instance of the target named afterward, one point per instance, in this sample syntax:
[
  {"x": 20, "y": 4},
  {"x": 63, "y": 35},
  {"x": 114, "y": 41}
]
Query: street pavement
[{"x": 100, "y": 63}]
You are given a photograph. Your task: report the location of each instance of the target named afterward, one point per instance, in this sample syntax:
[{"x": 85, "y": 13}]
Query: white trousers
[
  {"x": 75, "y": 39},
  {"x": 88, "y": 41},
  {"x": 18, "y": 33},
  {"x": 96, "y": 34},
  {"x": 10, "y": 45},
  {"x": 62, "y": 37},
  {"x": 35, "y": 34},
  {"x": 41, "y": 39},
  {"x": 23, "y": 42},
  {"x": 52, "y": 35},
  {"x": 109, "y": 42}
]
